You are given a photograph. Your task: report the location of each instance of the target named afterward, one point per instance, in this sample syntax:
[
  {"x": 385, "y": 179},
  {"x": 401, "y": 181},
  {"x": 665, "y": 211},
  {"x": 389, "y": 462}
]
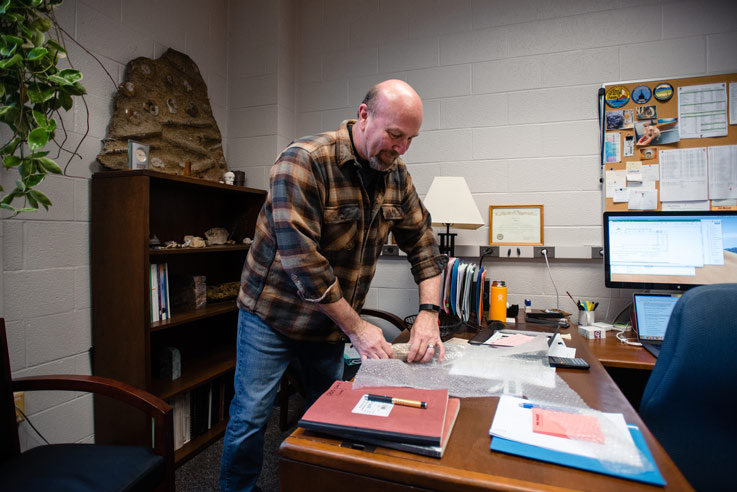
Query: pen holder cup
[{"x": 586, "y": 318}]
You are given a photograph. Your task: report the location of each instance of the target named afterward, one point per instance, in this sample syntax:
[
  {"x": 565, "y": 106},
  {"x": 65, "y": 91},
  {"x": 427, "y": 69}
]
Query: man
[{"x": 333, "y": 198}]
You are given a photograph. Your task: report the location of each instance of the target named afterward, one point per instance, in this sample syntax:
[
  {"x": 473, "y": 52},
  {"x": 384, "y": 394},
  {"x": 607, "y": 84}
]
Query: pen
[
  {"x": 580, "y": 308},
  {"x": 397, "y": 401}
]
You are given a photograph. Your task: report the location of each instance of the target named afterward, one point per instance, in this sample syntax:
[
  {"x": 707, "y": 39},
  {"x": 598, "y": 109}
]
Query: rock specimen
[{"x": 163, "y": 103}]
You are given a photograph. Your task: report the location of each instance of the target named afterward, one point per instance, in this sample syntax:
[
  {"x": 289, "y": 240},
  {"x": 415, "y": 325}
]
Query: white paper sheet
[
  {"x": 643, "y": 199},
  {"x": 722, "y": 172},
  {"x": 733, "y": 103},
  {"x": 702, "y": 110},
  {"x": 615, "y": 180},
  {"x": 651, "y": 172},
  {"x": 683, "y": 175},
  {"x": 698, "y": 205}
]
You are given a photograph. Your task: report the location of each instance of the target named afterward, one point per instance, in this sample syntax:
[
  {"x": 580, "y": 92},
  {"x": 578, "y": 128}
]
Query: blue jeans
[{"x": 263, "y": 356}]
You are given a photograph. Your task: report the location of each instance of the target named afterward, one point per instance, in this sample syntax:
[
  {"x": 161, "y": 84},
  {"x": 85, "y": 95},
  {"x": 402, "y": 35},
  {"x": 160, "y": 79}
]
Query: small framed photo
[
  {"x": 516, "y": 224},
  {"x": 137, "y": 155}
]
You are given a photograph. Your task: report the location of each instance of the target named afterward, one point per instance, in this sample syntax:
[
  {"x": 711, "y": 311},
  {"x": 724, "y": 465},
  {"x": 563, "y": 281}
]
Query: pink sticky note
[
  {"x": 567, "y": 425},
  {"x": 510, "y": 340}
]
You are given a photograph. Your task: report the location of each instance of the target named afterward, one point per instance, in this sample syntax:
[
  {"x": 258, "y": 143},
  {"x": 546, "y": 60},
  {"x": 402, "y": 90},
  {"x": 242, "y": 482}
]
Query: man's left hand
[{"x": 424, "y": 339}]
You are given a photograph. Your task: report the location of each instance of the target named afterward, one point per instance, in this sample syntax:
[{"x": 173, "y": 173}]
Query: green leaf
[
  {"x": 52, "y": 126},
  {"x": 36, "y": 155},
  {"x": 40, "y": 119},
  {"x": 43, "y": 199},
  {"x": 9, "y": 148},
  {"x": 36, "y": 3},
  {"x": 38, "y": 138},
  {"x": 58, "y": 80},
  {"x": 20, "y": 186},
  {"x": 49, "y": 165},
  {"x": 10, "y": 39},
  {"x": 39, "y": 94},
  {"x": 34, "y": 180},
  {"x": 5, "y": 109},
  {"x": 77, "y": 89},
  {"x": 42, "y": 24},
  {"x": 71, "y": 75},
  {"x": 4, "y": 6},
  {"x": 9, "y": 197},
  {"x": 31, "y": 200},
  {"x": 38, "y": 38},
  {"x": 66, "y": 100},
  {"x": 36, "y": 53},
  {"x": 8, "y": 50},
  {"x": 56, "y": 46},
  {"x": 9, "y": 62},
  {"x": 12, "y": 161}
]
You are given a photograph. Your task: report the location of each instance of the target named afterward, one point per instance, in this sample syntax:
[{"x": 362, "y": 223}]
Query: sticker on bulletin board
[{"x": 617, "y": 96}]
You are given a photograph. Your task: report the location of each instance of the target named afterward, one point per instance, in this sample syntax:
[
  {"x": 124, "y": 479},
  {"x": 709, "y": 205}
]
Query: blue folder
[{"x": 650, "y": 475}]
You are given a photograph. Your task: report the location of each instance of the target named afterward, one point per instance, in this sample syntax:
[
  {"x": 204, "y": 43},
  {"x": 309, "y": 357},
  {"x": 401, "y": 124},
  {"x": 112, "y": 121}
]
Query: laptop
[{"x": 652, "y": 313}]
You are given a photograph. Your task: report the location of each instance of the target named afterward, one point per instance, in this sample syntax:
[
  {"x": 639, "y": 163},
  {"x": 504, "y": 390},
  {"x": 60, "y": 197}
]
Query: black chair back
[
  {"x": 690, "y": 400},
  {"x": 8, "y": 427}
]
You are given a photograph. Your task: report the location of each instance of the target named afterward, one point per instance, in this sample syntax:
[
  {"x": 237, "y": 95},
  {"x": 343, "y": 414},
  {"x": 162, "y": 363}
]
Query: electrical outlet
[
  {"x": 489, "y": 251},
  {"x": 550, "y": 250},
  {"x": 19, "y": 398},
  {"x": 390, "y": 250}
]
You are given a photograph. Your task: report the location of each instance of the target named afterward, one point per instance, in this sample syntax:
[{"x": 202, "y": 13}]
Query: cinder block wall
[
  {"x": 45, "y": 256},
  {"x": 510, "y": 90}
]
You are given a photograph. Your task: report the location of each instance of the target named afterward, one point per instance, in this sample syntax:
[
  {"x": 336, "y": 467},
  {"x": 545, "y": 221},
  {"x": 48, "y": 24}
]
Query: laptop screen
[{"x": 652, "y": 313}]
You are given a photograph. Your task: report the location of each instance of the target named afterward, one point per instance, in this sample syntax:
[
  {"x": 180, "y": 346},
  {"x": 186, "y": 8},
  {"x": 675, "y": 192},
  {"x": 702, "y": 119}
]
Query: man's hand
[
  {"x": 424, "y": 339},
  {"x": 369, "y": 340}
]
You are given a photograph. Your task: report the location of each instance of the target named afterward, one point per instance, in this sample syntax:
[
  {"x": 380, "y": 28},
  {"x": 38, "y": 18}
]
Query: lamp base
[{"x": 447, "y": 242}]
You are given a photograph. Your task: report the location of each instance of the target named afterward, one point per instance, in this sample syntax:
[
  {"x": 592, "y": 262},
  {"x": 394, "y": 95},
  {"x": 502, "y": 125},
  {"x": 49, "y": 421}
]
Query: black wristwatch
[{"x": 430, "y": 307}]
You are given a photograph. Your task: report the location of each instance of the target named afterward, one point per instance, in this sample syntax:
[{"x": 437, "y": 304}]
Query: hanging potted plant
[{"x": 33, "y": 89}]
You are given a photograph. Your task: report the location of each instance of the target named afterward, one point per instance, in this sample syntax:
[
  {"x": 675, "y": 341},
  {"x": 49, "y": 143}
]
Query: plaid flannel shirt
[{"x": 316, "y": 239}]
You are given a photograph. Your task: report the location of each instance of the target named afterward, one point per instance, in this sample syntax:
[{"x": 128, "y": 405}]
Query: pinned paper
[
  {"x": 621, "y": 195},
  {"x": 614, "y": 180},
  {"x": 634, "y": 171},
  {"x": 567, "y": 425}
]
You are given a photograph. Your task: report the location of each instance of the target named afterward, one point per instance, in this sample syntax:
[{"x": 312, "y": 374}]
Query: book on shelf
[
  {"x": 200, "y": 409},
  {"x": 181, "y": 411},
  {"x": 454, "y": 406},
  {"x": 344, "y": 411},
  {"x": 154, "y": 283}
]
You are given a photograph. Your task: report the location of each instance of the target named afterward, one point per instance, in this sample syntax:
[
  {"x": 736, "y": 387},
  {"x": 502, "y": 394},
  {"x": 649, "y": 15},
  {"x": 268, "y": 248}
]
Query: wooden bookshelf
[{"x": 127, "y": 209}]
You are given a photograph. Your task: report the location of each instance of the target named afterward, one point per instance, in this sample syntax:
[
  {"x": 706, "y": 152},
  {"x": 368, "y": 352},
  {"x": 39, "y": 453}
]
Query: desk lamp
[{"x": 450, "y": 203}]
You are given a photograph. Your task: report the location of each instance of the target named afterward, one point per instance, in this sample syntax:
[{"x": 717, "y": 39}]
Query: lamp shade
[{"x": 449, "y": 202}]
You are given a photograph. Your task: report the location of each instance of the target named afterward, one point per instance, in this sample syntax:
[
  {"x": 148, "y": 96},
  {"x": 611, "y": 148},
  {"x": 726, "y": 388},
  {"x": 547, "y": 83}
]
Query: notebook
[{"x": 652, "y": 313}]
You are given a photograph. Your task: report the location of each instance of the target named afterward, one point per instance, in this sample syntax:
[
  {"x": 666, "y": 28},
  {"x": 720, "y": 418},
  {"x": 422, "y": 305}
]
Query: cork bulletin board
[{"x": 628, "y": 109}]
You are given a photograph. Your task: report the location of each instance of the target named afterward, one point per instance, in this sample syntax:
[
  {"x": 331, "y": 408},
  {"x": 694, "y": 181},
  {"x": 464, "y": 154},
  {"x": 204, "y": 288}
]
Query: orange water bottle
[{"x": 498, "y": 301}]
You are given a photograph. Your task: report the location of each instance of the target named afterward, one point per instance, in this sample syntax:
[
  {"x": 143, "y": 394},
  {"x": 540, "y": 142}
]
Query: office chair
[
  {"x": 291, "y": 382},
  {"x": 690, "y": 400},
  {"x": 83, "y": 467}
]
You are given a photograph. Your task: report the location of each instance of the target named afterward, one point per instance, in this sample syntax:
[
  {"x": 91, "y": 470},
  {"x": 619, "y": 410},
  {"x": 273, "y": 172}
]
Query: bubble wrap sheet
[{"x": 481, "y": 370}]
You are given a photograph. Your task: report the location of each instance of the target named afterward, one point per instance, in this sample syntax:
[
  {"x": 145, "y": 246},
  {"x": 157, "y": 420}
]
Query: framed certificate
[{"x": 516, "y": 224}]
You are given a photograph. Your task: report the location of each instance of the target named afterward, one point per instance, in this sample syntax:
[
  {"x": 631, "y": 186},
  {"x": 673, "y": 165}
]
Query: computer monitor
[{"x": 669, "y": 250}]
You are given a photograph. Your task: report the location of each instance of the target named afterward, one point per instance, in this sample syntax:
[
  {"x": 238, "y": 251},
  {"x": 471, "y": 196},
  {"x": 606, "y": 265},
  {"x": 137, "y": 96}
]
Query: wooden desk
[
  {"x": 311, "y": 462},
  {"x": 613, "y": 353}
]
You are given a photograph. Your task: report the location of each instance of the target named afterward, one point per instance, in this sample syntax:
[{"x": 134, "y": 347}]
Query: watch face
[{"x": 140, "y": 155}]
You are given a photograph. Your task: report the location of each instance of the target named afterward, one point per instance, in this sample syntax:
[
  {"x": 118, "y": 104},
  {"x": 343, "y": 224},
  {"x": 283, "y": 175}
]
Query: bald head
[
  {"x": 392, "y": 94},
  {"x": 389, "y": 118}
]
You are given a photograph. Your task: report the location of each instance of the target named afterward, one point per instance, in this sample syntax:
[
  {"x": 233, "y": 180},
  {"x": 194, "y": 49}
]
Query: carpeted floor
[{"x": 200, "y": 474}]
